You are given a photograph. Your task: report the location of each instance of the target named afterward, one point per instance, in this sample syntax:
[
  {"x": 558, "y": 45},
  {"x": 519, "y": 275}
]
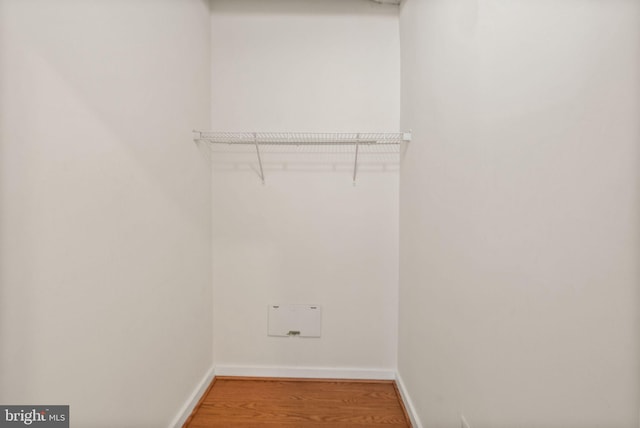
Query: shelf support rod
[
  {"x": 355, "y": 163},
  {"x": 255, "y": 141}
]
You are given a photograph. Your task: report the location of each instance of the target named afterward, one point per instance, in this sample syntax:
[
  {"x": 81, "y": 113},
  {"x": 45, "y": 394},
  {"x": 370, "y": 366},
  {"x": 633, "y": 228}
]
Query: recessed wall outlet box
[{"x": 288, "y": 320}]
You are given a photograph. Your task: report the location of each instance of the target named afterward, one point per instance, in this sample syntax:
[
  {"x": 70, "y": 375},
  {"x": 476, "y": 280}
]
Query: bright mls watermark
[{"x": 34, "y": 416}]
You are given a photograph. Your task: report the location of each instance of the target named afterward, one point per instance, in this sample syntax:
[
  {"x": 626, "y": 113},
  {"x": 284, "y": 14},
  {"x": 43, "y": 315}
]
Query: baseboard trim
[
  {"x": 305, "y": 372},
  {"x": 193, "y": 399},
  {"x": 293, "y": 372},
  {"x": 408, "y": 404}
]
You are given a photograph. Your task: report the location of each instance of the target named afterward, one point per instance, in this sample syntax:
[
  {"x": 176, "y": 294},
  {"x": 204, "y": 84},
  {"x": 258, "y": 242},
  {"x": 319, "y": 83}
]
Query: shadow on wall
[{"x": 328, "y": 159}]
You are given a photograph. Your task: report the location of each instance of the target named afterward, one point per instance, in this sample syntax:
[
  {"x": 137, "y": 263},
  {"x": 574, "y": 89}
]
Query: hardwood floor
[{"x": 256, "y": 402}]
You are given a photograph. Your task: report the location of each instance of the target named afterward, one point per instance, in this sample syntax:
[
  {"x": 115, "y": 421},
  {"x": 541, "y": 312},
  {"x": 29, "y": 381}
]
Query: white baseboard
[
  {"x": 195, "y": 396},
  {"x": 294, "y": 372},
  {"x": 408, "y": 404},
  {"x": 305, "y": 372}
]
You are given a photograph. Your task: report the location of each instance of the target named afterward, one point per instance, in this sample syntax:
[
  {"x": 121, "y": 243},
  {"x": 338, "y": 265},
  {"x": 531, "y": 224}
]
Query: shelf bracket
[{"x": 255, "y": 141}]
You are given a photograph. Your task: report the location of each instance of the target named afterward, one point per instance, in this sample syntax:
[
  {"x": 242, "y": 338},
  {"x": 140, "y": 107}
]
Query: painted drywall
[
  {"x": 519, "y": 208},
  {"x": 105, "y": 263},
  {"x": 308, "y": 235}
]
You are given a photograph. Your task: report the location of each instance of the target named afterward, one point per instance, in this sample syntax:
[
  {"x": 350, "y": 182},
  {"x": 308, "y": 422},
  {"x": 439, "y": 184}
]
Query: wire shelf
[
  {"x": 257, "y": 139},
  {"x": 299, "y": 138}
]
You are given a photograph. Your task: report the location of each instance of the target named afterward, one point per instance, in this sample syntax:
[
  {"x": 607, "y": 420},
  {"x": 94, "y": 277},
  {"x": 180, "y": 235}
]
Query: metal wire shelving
[{"x": 257, "y": 139}]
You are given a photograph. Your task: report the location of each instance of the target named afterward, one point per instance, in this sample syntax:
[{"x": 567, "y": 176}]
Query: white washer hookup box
[{"x": 287, "y": 320}]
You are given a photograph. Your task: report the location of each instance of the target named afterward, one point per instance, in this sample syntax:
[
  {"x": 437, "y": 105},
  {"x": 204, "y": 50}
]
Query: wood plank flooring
[{"x": 279, "y": 402}]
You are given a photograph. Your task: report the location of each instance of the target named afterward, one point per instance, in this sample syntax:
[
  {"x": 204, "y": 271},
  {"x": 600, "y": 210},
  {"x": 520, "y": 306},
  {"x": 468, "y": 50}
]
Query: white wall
[
  {"x": 105, "y": 297},
  {"x": 519, "y": 210},
  {"x": 308, "y": 235}
]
